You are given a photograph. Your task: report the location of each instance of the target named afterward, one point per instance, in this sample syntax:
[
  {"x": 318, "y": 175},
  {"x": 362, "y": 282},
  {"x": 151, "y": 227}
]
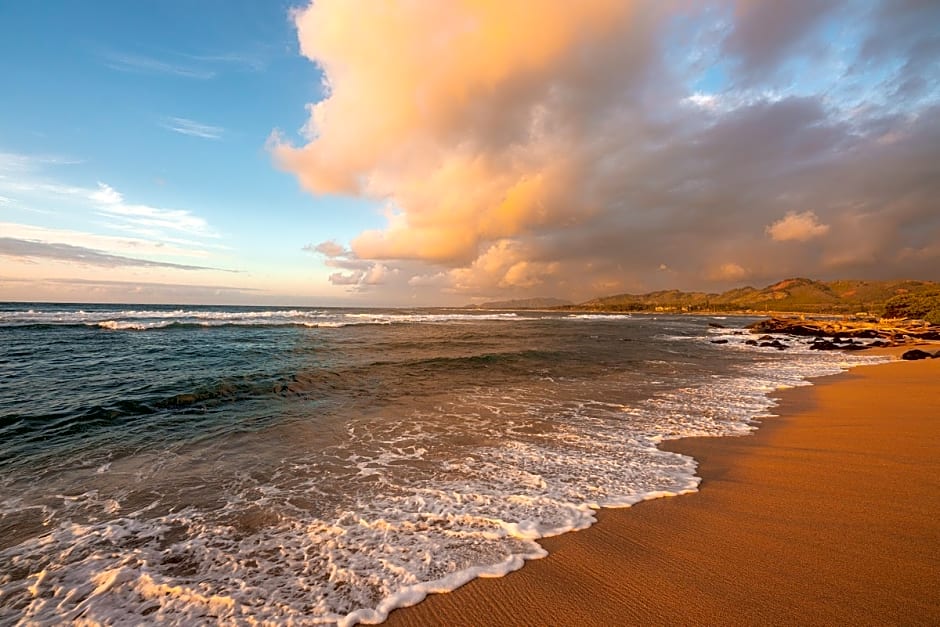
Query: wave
[
  {"x": 145, "y": 320},
  {"x": 417, "y": 511},
  {"x": 609, "y": 316},
  {"x": 341, "y": 517}
]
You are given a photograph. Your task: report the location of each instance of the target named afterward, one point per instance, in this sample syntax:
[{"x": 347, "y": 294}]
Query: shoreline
[{"x": 827, "y": 513}]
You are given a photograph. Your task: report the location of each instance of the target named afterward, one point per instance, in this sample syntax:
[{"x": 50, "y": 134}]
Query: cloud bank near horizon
[{"x": 576, "y": 149}]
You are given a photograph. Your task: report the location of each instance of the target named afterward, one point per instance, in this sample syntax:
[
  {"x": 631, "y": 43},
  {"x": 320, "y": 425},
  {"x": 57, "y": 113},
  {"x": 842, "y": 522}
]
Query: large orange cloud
[
  {"x": 546, "y": 147},
  {"x": 442, "y": 109}
]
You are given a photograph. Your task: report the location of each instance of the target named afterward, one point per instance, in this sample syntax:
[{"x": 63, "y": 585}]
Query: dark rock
[
  {"x": 715, "y": 325},
  {"x": 765, "y": 338},
  {"x": 738, "y": 333},
  {"x": 878, "y": 344},
  {"x": 824, "y": 345},
  {"x": 916, "y": 353},
  {"x": 776, "y": 325},
  {"x": 719, "y": 341},
  {"x": 751, "y": 342}
]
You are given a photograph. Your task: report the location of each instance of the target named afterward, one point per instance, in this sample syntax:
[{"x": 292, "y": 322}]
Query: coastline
[{"x": 828, "y": 513}]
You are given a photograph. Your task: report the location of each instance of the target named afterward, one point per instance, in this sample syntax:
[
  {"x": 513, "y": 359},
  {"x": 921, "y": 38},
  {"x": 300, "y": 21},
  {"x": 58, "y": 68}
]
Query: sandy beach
[{"x": 828, "y": 514}]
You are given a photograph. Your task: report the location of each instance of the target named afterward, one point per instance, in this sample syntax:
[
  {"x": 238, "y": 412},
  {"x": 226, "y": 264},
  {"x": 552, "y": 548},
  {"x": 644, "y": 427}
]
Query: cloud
[
  {"x": 328, "y": 249},
  {"x": 21, "y": 180},
  {"x": 131, "y": 246},
  {"x": 617, "y": 137},
  {"x": 764, "y": 34},
  {"x": 371, "y": 275},
  {"x": 32, "y": 250},
  {"x": 18, "y": 162},
  {"x": 185, "y": 126},
  {"x": 110, "y": 202},
  {"x": 52, "y": 289},
  {"x": 728, "y": 272},
  {"x": 138, "y": 239},
  {"x": 798, "y": 227},
  {"x": 433, "y": 128},
  {"x": 142, "y": 64},
  {"x": 107, "y": 195},
  {"x": 250, "y": 61}
]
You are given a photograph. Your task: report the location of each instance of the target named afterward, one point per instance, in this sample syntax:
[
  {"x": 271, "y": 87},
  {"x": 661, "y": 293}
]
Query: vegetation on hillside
[
  {"x": 923, "y": 306},
  {"x": 791, "y": 295}
]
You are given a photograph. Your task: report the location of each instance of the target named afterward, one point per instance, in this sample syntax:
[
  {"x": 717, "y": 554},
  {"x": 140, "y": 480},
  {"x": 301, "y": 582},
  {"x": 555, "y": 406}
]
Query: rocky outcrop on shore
[{"x": 832, "y": 334}]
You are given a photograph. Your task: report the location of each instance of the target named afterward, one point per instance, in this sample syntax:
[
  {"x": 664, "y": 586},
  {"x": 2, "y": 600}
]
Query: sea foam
[{"x": 400, "y": 504}]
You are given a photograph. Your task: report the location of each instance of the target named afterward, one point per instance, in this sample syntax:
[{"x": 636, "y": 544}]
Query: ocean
[{"x": 237, "y": 465}]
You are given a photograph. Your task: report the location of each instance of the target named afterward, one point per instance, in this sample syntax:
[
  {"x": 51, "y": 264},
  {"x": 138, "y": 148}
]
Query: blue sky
[
  {"x": 183, "y": 151},
  {"x": 171, "y": 105}
]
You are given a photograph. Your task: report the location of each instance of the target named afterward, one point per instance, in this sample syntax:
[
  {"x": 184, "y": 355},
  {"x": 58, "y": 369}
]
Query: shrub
[{"x": 925, "y": 306}]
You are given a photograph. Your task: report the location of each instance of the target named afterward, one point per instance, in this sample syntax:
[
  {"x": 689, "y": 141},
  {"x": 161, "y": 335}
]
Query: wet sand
[{"x": 828, "y": 514}]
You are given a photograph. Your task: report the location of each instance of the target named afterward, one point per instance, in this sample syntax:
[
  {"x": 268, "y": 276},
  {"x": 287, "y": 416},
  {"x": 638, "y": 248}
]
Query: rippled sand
[{"x": 829, "y": 514}]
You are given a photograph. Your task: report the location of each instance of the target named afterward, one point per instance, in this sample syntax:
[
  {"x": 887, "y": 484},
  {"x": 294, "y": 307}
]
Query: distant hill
[
  {"x": 524, "y": 303},
  {"x": 790, "y": 295}
]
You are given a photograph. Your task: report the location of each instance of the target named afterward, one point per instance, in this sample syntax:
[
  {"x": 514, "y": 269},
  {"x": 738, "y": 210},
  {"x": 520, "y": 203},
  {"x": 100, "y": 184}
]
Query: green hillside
[{"x": 791, "y": 295}]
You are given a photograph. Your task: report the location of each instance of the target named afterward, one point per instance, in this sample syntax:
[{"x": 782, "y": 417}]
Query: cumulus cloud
[
  {"x": 618, "y": 137},
  {"x": 729, "y": 272},
  {"x": 370, "y": 275},
  {"x": 453, "y": 129},
  {"x": 798, "y": 227},
  {"x": 330, "y": 248}
]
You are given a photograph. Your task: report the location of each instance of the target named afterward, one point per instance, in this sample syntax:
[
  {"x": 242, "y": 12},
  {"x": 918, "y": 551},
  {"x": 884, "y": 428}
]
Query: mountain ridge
[
  {"x": 797, "y": 294},
  {"x": 524, "y": 303}
]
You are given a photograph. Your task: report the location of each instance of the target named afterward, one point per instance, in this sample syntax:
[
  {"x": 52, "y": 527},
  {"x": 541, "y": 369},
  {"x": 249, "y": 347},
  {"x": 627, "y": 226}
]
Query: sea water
[{"x": 244, "y": 465}]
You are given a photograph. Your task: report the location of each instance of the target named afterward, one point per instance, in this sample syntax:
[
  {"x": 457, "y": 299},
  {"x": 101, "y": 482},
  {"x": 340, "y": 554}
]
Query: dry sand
[{"x": 828, "y": 515}]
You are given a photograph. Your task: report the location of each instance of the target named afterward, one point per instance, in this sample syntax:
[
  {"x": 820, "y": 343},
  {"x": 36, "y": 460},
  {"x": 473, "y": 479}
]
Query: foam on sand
[{"x": 399, "y": 502}]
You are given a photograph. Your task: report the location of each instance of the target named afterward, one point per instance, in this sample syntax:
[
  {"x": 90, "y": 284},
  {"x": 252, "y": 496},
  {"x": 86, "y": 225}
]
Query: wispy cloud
[
  {"x": 246, "y": 61},
  {"x": 107, "y": 201},
  {"x": 151, "y": 231},
  {"x": 111, "y": 202},
  {"x": 119, "y": 245},
  {"x": 186, "y": 65},
  {"x": 137, "y": 63},
  {"x": 56, "y": 251},
  {"x": 84, "y": 289},
  {"x": 18, "y": 162},
  {"x": 125, "y": 284},
  {"x": 185, "y": 126}
]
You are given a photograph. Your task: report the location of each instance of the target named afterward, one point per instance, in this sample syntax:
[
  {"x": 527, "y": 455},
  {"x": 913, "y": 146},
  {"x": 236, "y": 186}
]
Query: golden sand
[{"x": 828, "y": 514}]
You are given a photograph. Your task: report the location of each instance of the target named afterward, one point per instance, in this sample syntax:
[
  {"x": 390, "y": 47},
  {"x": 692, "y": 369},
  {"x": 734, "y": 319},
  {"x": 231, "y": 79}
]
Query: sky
[{"x": 410, "y": 153}]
